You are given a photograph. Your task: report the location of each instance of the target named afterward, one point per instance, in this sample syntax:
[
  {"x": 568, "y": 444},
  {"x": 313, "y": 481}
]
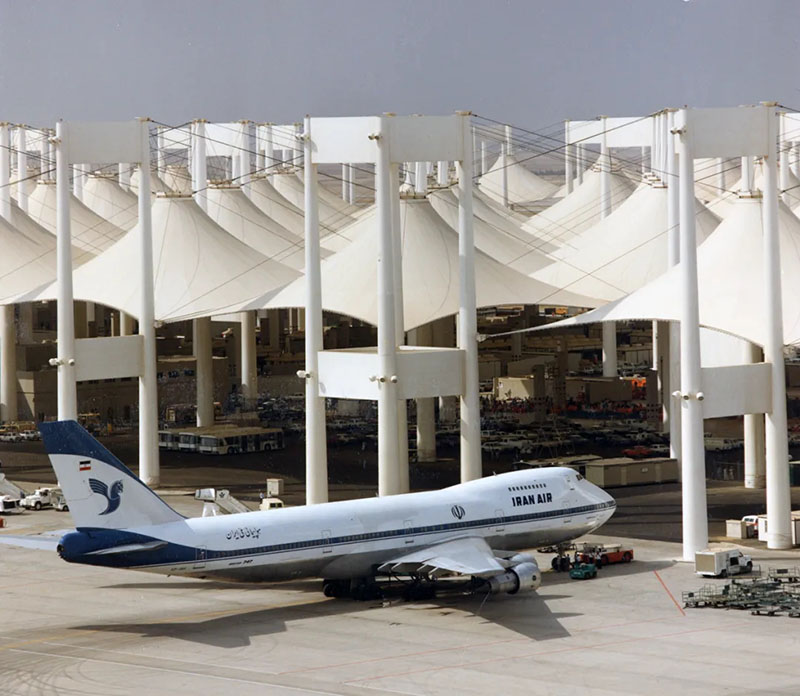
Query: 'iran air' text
[{"x": 531, "y": 499}]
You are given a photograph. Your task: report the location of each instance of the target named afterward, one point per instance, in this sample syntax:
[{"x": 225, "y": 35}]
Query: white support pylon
[
  {"x": 673, "y": 257},
  {"x": 568, "y": 175},
  {"x": 248, "y": 358},
  {"x": 609, "y": 328},
  {"x": 388, "y": 459},
  {"x": 442, "y": 178},
  {"x": 22, "y": 168},
  {"x": 470, "y": 411},
  {"x": 693, "y": 479},
  {"x": 399, "y": 331},
  {"x": 316, "y": 444},
  {"x": 149, "y": 465},
  {"x": 199, "y": 171},
  {"x": 779, "y": 504},
  {"x": 8, "y": 339},
  {"x": 755, "y": 463},
  {"x": 269, "y": 150},
  {"x": 204, "y": 370},
  {"x": 65, "y": 349},
  {"x": 783, "y": 161}
]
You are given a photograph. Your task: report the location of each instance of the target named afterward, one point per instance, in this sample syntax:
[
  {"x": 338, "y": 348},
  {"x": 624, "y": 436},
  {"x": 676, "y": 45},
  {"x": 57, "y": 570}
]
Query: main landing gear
[{"x": 360, "y": 589}]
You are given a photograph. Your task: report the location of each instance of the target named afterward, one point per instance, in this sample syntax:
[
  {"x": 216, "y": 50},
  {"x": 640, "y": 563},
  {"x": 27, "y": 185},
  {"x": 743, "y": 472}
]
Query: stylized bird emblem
[{"x": 113, "y": 498}]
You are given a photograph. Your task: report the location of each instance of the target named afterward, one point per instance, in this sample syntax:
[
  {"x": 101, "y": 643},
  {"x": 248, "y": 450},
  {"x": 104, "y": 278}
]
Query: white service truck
[
  {"x": 45, "y": 497},
  {"x": 721, "y": 564}
]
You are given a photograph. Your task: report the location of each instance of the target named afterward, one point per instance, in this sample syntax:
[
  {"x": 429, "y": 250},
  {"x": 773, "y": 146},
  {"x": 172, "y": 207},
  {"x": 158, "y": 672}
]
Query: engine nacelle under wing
[{"x": 520, "y": 578}]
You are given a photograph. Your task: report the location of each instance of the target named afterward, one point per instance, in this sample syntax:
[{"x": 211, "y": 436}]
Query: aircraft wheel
[{"x": 37, "y": 505}]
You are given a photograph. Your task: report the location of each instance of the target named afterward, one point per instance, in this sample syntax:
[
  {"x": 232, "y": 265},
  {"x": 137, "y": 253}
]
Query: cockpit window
[{"x": 579, "y": 477}]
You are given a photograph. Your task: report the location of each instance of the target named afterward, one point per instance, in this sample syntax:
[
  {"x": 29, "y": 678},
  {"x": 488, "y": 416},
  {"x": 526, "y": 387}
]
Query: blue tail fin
[{"x": 100, "y": 490}]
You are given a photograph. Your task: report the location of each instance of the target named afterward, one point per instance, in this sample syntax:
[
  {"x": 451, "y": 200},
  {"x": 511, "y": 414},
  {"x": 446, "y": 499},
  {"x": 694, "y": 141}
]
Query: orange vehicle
[{"x": 603, "y": 554}]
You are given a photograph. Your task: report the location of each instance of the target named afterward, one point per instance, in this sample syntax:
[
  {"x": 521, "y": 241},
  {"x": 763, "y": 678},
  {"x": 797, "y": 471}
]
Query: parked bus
[
  {"x": 168, "y": 439},
  {"x": 238, "y": 440}
]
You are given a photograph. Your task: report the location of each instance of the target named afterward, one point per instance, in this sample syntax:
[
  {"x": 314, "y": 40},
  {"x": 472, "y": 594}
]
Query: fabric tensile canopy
[
  {"x": 515, "y": 251},
  {"x": 232, "y": 210},
  {"x": 199, "y": 269},
  {"x": 103, "y": 195},
  {"x": 89, "y": 231},
  {"x": 293, "y": 190},
  {"x": 562, "y": 222},
  {"x": 43, "y": 238},
  {"x": 157, "y": 185},
  {"x": 624, "y": 251},
  {"x": 24, "y": 263},
  {"x": 523, "y": 185},
  {"x": 730, "y": 280},
  {"x": 177, "y": 177},
  {"x": 290, "y": 217},
  {"x": 430, "y": 274}
]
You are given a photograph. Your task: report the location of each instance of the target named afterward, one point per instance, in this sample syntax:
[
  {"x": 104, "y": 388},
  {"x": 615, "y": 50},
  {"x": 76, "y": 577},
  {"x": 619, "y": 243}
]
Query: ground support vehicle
[
  {"x": 41, "y": 498},
  {"x": 603, "y": 554},
  {"x": 583, "y": 571},
  {"x": 721, "y": 564},
  {"x": 9, "y": 504}
]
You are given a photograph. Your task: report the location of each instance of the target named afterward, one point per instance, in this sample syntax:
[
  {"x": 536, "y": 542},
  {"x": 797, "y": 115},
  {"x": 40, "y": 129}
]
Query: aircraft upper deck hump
[{"x": 100, "y": 490}]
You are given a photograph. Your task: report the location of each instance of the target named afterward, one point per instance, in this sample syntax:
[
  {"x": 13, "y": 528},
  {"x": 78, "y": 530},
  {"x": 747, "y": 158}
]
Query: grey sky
[{"x": 528, "y": 62}]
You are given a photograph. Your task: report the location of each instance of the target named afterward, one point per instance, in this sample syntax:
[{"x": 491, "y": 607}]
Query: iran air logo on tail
[{"x": 112, "y": 497}]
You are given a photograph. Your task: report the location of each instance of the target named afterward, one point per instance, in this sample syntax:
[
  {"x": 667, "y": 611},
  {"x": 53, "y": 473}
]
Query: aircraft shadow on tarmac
[{"x": 527, "y": 615}]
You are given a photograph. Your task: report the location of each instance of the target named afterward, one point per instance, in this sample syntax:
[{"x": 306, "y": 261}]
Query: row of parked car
[{"x": 9, "y": 435}]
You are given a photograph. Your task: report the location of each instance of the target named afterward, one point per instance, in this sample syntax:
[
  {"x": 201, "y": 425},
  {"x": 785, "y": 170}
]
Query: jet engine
[{"x": 522, "y": 576}]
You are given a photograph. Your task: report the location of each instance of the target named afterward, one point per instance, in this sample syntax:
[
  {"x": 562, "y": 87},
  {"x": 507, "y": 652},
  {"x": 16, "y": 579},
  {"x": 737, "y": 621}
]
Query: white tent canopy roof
[
  {"x": 430, "y": 274},
  {"x": 624, "y": 251},
  {"x": 523, "y": 185},
  {"x": 514, "y": 251},
  {"x": 44, "y": 238},
  {"x": 199, "y": 269},
  {"x": 89, "y": 231},
  {"x": 731, "y": 281},
  {"x": 103, "y": 195},
  {"x": 293, "y": 190},
  {"x": 577, "y": 212},
  {"x": 24, "y": 263},
  {"x": 232, "y": 210},
  {"x": 157, "y": 185},
  {"x": 178, "y": 179}
]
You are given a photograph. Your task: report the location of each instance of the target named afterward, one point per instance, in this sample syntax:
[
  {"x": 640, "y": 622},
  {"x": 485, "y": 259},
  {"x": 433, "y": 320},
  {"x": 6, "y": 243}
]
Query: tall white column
[
  {"x": 65, "y": 349},
  {"x": 747, "y": 175},
  {"x": 484, "y": 156},
  {"x": 388, "y": 460},
  {"x": 344, "y": 182},
  {"x": 796, "y": 159},
  {"x": 8, "y": 350},
  {"x": 609, "y": 328},
  {"x": 509, "y": 140},
  {"x": 581, "y": 162},
  {"x": 204, "y": 370},
  {"x": 471, "y": 467},
  {"x": 124, "y": 175},
  {"x": 260, "y": 148},
  {"x": 720, "y": 164},
  {"x": 755, "y": 463},
  {"x": 161, "y": 153},
  {"x": 504, "y": 160},
  {"x": 149, "y": 465},
  {"x": 654, "y": 142},
  {"x": 316, "y": 445},
  {"x": 420, "y": 179},
  {"x": 125, "y": 324},
  {"x": 643, "y": 157},
  {"x": 426, "y": 408},
  {"x": 244, "y": 156},
  {"x": 22, "y": 168},
  {"x": 79, "y": 172},
  {"x": 673, "y": 257},
  {"x": 399, "y": 325},
  {"x": 695, "y": 513},
  {"x": 269, "y": 149},
  {"x": 779, "y": 502},
  {"x": 199, "y": 171},
  {"x": 351, "y": 184},
  {"x": 568, "y": 175},
  {"x": 248, "y": 359},
  {"x": 475, "y": 151},
  {"x": 783, "y": 162},
  {"x": 657, "y": 144},
  {"x": 442, "y": 178}
]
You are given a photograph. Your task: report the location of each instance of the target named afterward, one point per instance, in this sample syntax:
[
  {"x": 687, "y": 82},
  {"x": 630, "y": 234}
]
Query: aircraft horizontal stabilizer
[{"x": 129, "y": 548}]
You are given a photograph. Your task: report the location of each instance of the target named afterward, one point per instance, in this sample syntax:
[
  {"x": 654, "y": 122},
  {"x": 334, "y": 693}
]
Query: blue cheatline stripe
[{"x": 179, "y": 553}]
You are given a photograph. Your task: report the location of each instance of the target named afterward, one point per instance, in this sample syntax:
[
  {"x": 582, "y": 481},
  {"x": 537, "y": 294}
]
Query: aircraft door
[
  {"x": 407, "y": 530},
  {"x": 500, "y": 521},
  {"x": 201, "y": 552},
  {"x": 326, "y": 541}
]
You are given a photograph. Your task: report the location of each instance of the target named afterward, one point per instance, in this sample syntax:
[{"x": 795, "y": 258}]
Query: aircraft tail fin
[{"x": 100, "y": 490}]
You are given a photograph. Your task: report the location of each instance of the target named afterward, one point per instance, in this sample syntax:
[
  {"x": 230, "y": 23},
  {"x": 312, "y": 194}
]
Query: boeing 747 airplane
[{"x": 476, "y": 529}]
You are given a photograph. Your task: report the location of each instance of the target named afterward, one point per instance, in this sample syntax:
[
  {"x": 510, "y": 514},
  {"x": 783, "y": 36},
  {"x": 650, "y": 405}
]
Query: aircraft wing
[
  {"x": 33, "y": 541},
  {"x": 463, "y": 556}
]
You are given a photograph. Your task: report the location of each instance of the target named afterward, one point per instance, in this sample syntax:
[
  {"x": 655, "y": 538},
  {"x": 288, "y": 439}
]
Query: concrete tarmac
[{"x": 69, "y": 629}]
